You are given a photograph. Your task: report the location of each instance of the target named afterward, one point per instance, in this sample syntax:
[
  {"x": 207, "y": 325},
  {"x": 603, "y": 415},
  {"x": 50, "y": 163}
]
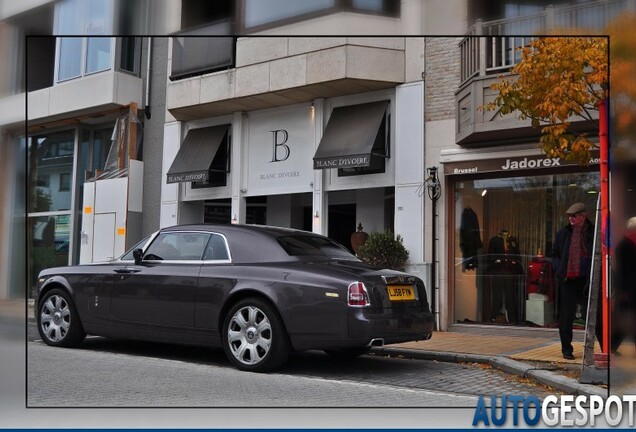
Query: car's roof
[
  {"x": 248, "y": 243},
  {"x": 222, "y": 228}
]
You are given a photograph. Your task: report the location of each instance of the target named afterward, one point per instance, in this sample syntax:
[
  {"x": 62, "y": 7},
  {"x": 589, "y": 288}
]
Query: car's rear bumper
[
  {"x": 372, "y": 327},
  {"x": 389, "y": 325}
]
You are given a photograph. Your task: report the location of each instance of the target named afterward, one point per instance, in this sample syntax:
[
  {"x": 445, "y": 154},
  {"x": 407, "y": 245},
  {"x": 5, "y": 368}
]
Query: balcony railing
[{"x": 486, "y": 49}]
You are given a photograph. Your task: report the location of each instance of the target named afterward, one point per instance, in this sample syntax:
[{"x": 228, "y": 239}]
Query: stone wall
[{"x": 442, "y": 77}]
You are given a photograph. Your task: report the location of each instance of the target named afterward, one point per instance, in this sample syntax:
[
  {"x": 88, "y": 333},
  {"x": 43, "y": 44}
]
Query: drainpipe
[
  {"x": 148, "y": 75},
  {"x": 434, "y": 191}
]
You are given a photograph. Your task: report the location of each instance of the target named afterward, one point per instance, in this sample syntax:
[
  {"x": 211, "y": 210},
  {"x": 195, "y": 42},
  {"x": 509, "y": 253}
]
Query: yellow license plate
[{"x": 401, "y": 292}]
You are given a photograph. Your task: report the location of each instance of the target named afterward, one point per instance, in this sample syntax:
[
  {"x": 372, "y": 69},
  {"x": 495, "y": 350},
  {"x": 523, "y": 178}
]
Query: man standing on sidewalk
[{"x": 572, "y": 258}]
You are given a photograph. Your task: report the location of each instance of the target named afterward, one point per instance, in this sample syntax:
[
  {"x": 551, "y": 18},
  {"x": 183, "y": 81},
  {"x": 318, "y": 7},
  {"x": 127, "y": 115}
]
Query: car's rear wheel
[
  {"x": 347, "y": 353},
  {"x": 254, "y": 337},
  {"x": 58, "y": 321}
]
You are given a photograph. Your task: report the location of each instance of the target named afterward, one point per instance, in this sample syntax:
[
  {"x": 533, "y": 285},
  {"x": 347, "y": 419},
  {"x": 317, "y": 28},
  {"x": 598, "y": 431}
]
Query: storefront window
[
  {"x": 49, "y": 238},
  {"x": 504, "y": 229},
  {"x": 50, "y": 170}
]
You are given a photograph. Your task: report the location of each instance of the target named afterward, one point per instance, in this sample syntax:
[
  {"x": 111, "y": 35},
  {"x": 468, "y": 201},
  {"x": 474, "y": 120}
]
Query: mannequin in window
[
  {"x": 469, "y": 239},
  {"x": 504, "y": 267}
]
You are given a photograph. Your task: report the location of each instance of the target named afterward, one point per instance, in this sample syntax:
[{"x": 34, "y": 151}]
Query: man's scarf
[{"x": 576, "y": 251}]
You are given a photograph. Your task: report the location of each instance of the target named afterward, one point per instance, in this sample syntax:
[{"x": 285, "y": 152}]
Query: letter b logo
[{"x": 280, "y": 137}]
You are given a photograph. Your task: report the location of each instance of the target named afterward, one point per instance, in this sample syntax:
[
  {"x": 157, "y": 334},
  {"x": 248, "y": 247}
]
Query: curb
[{"x": 504, "y": 364}]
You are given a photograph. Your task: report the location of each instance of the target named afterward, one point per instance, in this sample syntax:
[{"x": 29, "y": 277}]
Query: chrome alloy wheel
[
  {"x": 249, "y": 335},
  {"x": 55, "y": 318}
]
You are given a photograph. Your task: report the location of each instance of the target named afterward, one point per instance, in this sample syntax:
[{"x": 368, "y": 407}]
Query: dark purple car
[{"x": 259, "y": 292}]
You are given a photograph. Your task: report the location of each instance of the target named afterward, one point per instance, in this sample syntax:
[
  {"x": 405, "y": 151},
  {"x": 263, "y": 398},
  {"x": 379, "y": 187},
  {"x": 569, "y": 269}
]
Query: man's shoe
[{"x": 568, "y": 356}]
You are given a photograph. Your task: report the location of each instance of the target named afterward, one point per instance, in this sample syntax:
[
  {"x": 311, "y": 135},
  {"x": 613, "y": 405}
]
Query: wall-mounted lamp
[
  {"x": 316, "y": 214},
  {"x": 433, "y": 185},
  {"x": 484, "y": 192},
  {"x": 243, "y": 190},
  {"x": 234, "y": 219}
]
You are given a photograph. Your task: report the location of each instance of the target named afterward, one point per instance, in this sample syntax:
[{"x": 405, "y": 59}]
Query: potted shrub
[{"x": 383, "y": 250}]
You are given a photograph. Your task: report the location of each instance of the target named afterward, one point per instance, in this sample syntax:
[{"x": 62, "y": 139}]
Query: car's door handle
[{"x": 127, "y": 270}]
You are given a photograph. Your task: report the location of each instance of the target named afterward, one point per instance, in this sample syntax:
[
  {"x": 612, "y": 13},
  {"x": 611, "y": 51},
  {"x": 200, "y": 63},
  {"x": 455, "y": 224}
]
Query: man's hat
[{"x": 575, "y": 208}]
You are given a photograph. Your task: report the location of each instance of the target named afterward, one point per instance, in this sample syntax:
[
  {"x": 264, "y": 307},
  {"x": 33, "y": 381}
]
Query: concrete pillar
[
  {"x": 319, "y": 210},
  {"x": 238, "y": 179},
  {"x": 169, "y": 192},
  {"x": 409, "y": 178}
]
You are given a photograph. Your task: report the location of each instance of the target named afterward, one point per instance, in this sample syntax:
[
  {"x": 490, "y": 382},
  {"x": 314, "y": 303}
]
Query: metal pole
[
  {"x": 605, "y": 213},
  {"x": 433, "y": 260}
]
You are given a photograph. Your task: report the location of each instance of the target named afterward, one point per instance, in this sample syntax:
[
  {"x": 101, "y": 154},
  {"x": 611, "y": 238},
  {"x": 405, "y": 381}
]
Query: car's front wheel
[
  {"x": 254, "y": 337},
  {"x": 58, "y": 321}
]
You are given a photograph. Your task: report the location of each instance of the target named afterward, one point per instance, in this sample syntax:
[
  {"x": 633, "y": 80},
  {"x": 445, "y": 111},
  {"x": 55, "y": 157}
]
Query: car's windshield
[
  {"x": 128, "y": 256},
  {"x": 313, "y": 245}
]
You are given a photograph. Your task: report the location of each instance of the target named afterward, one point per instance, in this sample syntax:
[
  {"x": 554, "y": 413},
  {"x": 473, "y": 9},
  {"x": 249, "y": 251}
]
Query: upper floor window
[
  {"x": 195, "y": 55},
  {"x": 78, "y": 56},
  {"x": 259, "y": 14}
]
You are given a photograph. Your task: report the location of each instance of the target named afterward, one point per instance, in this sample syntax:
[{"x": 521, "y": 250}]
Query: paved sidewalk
[
  {"x": 535, "y": 357},
  {"x": 528, "y": 353}
]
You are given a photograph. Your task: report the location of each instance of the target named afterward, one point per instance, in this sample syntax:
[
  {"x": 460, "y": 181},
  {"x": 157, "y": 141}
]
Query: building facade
[{"x": 252, "y": 129}]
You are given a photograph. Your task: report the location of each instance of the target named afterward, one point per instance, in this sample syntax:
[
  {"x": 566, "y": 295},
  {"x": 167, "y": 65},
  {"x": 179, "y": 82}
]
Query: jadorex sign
[{"x": 510, "y": 164}]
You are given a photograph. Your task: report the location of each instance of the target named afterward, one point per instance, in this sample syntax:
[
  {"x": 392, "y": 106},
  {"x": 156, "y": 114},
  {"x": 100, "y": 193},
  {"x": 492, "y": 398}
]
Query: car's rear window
[{"x": 310, "y": 245}]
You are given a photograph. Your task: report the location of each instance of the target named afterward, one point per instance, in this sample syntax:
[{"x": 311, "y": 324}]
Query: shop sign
[
  {"x": 190, "y": 177},
  {"x": 343, "y": 162},
  {"x": 280, "y": 152},
  {"x": 511, "y": 164}
]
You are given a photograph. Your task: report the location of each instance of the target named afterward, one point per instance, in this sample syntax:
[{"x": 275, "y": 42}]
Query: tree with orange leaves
[
  {"x": 622, "y": 33},
  {"x": 558, "y": 80}
]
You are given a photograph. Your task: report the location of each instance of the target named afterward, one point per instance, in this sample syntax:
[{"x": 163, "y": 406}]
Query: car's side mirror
[{"x": 138, "y": 254}]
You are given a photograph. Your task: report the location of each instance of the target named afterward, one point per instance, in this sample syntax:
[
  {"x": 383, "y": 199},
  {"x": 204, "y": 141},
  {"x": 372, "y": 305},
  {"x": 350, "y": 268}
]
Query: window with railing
[{"x": 494, "y": 46}]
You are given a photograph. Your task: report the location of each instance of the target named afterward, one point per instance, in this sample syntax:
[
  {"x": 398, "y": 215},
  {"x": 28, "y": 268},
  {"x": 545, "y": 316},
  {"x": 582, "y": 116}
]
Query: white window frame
[{"x": 108, "y": 29}]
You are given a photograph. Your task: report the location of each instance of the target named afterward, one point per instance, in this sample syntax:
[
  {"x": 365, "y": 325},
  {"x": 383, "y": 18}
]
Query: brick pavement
[{"x": 541, "y": 347}]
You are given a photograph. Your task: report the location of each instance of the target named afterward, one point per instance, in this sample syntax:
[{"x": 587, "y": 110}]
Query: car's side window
[
  {"x": 216, "y": 249},
  {"x": 128, "y": 256},
  {"x": 177, "y": 247}
]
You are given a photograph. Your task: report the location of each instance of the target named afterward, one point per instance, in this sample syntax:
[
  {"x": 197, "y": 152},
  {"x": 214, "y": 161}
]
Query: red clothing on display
[{"x": 540, "y": 277}]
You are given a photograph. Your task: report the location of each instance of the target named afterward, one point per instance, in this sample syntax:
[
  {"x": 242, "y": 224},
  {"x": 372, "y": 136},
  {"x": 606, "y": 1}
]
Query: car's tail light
[{"x": 357, "y": 295}]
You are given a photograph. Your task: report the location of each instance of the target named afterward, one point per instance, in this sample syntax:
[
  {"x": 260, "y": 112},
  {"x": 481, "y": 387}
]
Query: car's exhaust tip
[{"x": 377, "y": 342}]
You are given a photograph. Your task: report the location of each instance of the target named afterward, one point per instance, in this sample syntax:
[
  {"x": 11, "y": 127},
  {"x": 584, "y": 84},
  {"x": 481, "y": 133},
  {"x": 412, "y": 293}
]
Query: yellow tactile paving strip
[
  {"x": 476, "y": 344},
  {"x": 552, "y": 352},
  {"x": 514, "y": 347}
]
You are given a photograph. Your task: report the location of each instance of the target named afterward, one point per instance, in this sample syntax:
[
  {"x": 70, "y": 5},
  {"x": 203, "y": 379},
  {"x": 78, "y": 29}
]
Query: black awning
[
  {"x": 195, "y": 156},
  {"x": 349, "y": 137}
]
